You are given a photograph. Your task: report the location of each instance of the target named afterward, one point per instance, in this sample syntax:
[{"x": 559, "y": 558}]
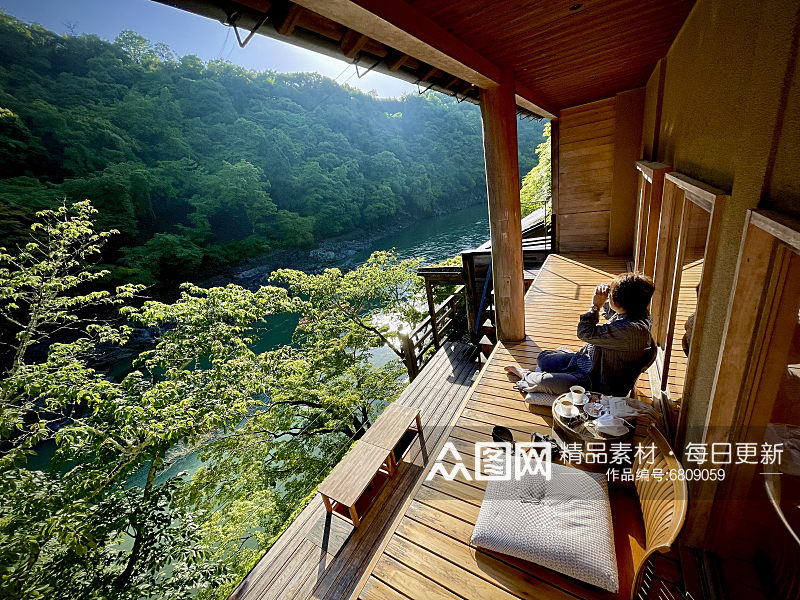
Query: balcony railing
[{"x": 449, "y": 319}]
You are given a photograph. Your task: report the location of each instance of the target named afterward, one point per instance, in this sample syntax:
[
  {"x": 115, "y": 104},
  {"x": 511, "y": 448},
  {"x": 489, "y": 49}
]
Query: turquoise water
[
  {"x": 434, "y": 239},
  {"x": 437, "y": 238}
]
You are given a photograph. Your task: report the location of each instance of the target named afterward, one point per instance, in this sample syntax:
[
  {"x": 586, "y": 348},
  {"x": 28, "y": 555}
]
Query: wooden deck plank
[
  {"x": 482, "y": 564},
  {"x": 292, "y": 581},
  {"x": 428, "y": 561},
  {"x": 461, "y": 531},
  {"x": 410, "y": 582},
  {"x": 375, "y": 589}
]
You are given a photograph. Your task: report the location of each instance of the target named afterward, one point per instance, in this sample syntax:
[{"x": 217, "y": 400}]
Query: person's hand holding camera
[{"x": 600, "y": 295}]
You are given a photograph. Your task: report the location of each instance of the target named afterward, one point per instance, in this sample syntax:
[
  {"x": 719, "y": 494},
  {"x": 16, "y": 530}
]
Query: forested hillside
[{"x": 199, "y": 165}]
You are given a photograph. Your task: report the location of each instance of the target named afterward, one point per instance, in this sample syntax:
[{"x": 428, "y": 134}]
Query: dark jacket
[{"x": 620, "y": 349}]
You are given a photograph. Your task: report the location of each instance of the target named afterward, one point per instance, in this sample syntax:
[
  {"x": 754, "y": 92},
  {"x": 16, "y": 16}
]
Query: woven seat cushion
[
  {"x": 563, "y": 524},
  {"x": 540, "y": 398}
]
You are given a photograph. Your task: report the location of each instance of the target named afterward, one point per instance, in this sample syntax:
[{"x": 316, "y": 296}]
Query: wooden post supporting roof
[{"x": 498, "y": 110}]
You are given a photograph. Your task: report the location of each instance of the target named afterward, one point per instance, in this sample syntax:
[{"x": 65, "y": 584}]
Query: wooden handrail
[{"x": 428, "y": 333}]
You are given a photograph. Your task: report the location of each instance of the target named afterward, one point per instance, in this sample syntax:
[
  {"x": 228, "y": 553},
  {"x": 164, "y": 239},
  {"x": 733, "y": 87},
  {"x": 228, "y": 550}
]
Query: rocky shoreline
[
  {"x": 255, "y": 272},
  {"x": 328, "y": 253}
]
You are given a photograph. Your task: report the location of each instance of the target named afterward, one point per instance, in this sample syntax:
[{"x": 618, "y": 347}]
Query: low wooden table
[{"x": 373, "y": 453}]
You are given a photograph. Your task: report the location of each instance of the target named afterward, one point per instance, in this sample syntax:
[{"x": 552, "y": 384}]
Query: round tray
[{"x": 575, "y": 429}]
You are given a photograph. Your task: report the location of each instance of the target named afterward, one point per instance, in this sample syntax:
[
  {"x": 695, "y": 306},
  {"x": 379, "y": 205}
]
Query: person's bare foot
[{"x": 515, "y": 370}]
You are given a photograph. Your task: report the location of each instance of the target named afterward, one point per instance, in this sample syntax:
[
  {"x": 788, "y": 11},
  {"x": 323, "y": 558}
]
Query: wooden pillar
[
  {"x": 499, "y": 114},
  {"x": 468, "y": 263},
  {"x": 554, "y": 185},
  {"x": 409, "y": 356}
]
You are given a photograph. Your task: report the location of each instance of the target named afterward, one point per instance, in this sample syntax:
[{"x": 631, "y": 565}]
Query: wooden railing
[{"x": 450, "y": 317}]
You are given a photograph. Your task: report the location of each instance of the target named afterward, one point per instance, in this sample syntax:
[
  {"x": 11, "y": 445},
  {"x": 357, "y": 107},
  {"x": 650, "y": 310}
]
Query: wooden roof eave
[{"x": 318, "y": 34}]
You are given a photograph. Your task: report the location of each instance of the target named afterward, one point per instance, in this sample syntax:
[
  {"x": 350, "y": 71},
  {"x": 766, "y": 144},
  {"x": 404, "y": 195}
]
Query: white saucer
[
  {"x": 584, "y": 401},
  {"x": 615, "y": 430},
  {"x": 565, "y": 413}
]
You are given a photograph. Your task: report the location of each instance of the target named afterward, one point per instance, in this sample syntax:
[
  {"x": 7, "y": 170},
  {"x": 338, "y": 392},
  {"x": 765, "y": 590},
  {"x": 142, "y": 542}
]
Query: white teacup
[
  {"x": 577, "y": 393},
  {"x": 567, "y": 409}
]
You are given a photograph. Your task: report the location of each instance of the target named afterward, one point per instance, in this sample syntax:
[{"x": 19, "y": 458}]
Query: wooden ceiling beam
[
  {"x": 259, "y": 5},
  {"x": 452, "y": 82},
  {"x": 402, "y": 27},
  {"x": 433, "y": 71},
  {"x": 289, "y": 22},
  {"x": 527, "y": 98},
  {"x": 396, "y": 61},
  {"x": 352, "y": 43},
  {"x": 464, "y": 88}
]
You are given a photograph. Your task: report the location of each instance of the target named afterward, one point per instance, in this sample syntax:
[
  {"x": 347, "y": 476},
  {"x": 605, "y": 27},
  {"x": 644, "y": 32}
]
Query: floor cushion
[
  {"x": 540, "y": 398},
  {"x": 563, "y": 524}
]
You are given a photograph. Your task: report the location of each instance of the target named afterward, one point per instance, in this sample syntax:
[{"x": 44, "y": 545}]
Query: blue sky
[{"x": 186, "y": 33}]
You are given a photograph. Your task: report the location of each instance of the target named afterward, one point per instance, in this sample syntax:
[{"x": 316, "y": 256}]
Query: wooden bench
[
  {"x": 395, "y": 421},
  {"x": 372, "y": 456}
]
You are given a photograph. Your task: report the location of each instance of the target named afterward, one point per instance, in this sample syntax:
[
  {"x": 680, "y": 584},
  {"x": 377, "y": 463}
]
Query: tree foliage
[
  {"x": 269, "y": 425},
  {"x": 536, "y": 185},
  {"x": 215, "y": 161}
]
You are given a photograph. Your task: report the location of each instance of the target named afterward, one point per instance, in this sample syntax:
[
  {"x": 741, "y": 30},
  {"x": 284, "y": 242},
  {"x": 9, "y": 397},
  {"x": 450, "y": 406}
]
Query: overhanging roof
[{"x": 562, "y": 53}]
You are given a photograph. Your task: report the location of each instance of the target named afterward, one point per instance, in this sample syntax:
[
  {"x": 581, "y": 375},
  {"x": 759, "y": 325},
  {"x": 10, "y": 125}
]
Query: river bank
[{"x": 435, "y": 239}]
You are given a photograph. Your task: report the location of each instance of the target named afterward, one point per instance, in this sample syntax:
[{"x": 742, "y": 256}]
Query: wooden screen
[
  {"x": 585, "y": 175},
  {"x": 755, "y": 515},
  {"x": 687, "y": 219},
  {"x": 688, "y": 225},
  {"x": 648, "y": 212}
]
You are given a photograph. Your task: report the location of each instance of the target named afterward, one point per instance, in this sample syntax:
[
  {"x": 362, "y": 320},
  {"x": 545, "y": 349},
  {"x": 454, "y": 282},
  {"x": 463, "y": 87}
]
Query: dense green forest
[
  {"x": 199, "y": 165},
  {"x": 165, "y": 169}
]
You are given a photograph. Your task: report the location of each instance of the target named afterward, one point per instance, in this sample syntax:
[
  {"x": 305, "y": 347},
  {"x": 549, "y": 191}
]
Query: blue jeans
[{"x": 562, "y": 370}]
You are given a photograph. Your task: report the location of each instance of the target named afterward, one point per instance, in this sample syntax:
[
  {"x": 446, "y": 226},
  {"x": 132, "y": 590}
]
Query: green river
[{"x": 435, "y": 239}]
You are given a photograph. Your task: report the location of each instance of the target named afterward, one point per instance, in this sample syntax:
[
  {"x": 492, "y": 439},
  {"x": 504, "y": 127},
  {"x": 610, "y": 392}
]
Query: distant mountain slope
[{"x": 203, "y": 164}]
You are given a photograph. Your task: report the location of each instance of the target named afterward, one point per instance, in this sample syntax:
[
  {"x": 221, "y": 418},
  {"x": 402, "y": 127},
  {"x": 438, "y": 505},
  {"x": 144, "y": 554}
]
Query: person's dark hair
[{"x": 632, "y": 292}]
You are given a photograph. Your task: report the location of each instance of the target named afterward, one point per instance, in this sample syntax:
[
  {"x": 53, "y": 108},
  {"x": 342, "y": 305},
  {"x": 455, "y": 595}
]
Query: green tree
[
  {"x": 76, "y": 529},
  {"x": 322, "y": 394},
  {"x": 369, "y": 306},
  {"x": 536, "y": 189},
  {"x": 232, "y": 161},
  {"x": 270, "y": 424}
]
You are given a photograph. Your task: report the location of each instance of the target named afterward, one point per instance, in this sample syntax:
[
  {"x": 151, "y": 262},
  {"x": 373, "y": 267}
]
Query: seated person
[{"x": 615, "y": 353}]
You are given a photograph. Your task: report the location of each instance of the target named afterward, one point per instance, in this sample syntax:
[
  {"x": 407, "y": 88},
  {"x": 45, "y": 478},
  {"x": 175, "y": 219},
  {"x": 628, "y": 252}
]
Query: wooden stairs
[{"x": 488, "y": 329}]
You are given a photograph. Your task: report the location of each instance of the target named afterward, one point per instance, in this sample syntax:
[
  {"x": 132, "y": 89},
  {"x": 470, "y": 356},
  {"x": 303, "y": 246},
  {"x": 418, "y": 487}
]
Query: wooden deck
[
  {"x": 414, "y": 541},
  {"x": 429, "y": 555},
  {"x": 321, "y": 555}
]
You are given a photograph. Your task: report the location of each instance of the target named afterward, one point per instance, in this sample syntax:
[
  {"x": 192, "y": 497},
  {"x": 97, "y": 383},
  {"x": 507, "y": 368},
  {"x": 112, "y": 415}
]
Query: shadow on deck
[{"x": 321, "y": 555}]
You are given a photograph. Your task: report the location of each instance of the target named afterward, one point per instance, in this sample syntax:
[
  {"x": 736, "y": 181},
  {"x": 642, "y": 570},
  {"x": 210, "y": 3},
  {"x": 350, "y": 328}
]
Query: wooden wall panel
[
  {"x": 627, "y": 145},
  {"x": 585, "y": 175},
  {"x": 584, "y": 231}
]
